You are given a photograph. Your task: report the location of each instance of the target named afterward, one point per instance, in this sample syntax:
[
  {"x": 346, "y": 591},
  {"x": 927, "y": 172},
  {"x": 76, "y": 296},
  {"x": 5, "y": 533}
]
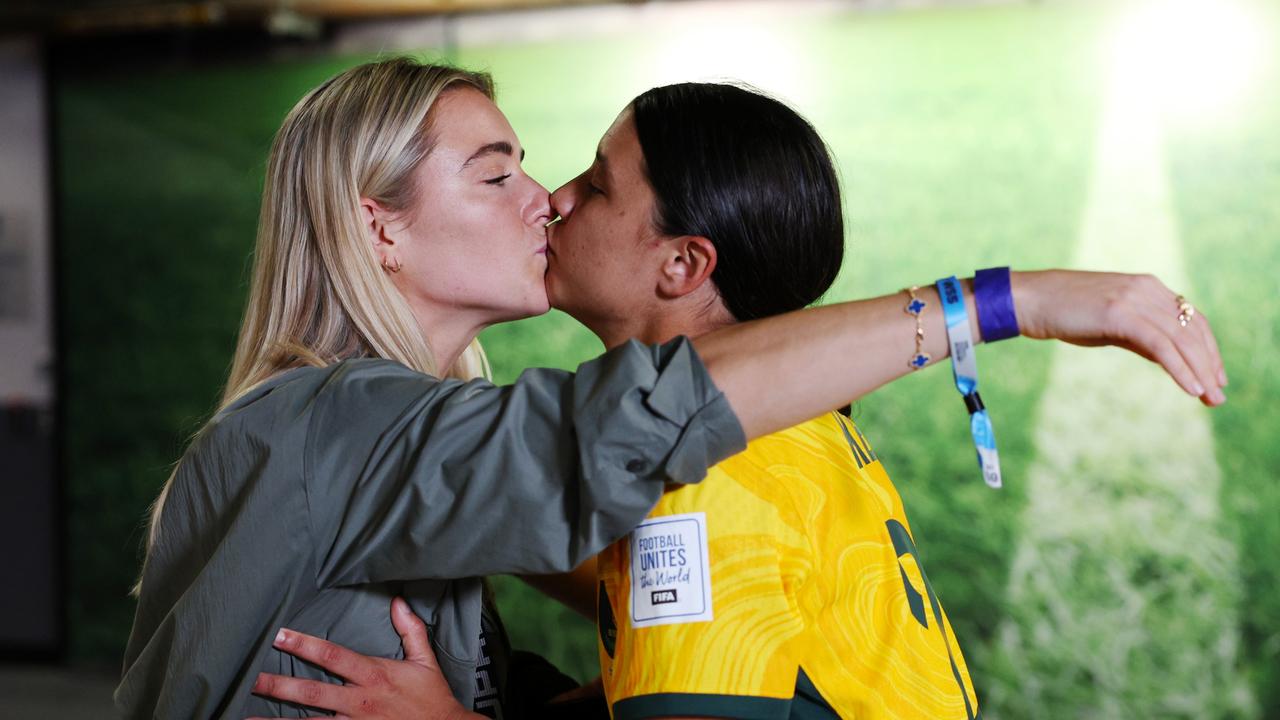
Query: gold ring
[{"x": 1186, "y": 311}]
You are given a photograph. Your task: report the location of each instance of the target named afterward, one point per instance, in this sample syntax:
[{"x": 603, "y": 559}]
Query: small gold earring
[{"x": 392, "y": 268}]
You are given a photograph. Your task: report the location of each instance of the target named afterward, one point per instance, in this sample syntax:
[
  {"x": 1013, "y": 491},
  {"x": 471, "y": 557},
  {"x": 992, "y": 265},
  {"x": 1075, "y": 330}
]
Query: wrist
[
  {"x": 1022, "y": 287},
  {"x": 971, "y": 308}
]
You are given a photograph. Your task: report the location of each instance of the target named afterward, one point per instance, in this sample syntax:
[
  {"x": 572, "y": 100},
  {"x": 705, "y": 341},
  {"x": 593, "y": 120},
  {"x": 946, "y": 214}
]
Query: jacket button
[{"x": 635, "y": 466}]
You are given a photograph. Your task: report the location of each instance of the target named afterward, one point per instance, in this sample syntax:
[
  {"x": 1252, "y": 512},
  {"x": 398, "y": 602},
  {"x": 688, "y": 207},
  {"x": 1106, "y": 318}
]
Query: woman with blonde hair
[{"x": 359, "y": 454}]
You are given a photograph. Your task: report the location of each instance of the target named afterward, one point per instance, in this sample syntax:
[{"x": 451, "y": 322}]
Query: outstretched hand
[
  {"x": 376, "y": 688},
  {"x": 1135, "y": 312}
]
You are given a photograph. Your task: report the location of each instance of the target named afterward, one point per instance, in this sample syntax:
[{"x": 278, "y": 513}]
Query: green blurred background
[{"x": 965, "y": 138}]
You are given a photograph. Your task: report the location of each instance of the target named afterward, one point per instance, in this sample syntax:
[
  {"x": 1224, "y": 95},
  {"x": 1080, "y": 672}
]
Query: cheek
[
  {"x": 589, "y": 264},
  {"x": 470, "y": 234},
  {"x": 452, "y": 263},
  {"x": 596, "y": 258},
  {"x": 612, "y": 274}
]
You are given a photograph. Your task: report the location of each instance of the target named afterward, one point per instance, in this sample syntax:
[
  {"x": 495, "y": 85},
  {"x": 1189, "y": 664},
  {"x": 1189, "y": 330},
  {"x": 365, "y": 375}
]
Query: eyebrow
[
  {"x": 603, "y": 163},
  {"x": 502, "y": 146}
]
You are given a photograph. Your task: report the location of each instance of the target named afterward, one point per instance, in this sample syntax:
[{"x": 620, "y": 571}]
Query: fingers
[
  {"x": 1183, "y": 355},
  {"x": 1156, "y": 344},
  {"x": 1197, "y": 345},
  {"x": 1194, "y": 342},
  {"x": 413, "y": 634},
  {"x": 1200, "y": 337},
  {"x": 1206, "y": 331},
  {"x": 1191, "y": 344},
  {"x": 338, "y": 660},
  {"x": 312, "y": 693}
]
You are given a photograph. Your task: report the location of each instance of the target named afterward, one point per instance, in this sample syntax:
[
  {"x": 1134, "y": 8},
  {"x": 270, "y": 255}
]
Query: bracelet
[
  {"x": 994, "y": 299},
  {"x": 915, "y": 306},
  {"x": 964, "y": 364}
]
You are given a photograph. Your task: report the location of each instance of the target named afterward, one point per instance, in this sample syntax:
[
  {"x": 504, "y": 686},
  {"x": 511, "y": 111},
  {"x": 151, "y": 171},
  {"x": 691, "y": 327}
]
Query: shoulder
[
  {"x": 302, "y": 385},
  {"x": 368, "y": 370},
  {"x": 803, "y": 447},
  {"x": 754, "y": 488},
  {"x": 363, "y": 387},
  {"x": 796, "y": 470},
  {"x": 375, "y": 385}
]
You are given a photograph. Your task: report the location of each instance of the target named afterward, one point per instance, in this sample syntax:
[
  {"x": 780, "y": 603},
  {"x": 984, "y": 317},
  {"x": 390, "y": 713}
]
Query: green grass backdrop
[{"x": 964, "y": 139}]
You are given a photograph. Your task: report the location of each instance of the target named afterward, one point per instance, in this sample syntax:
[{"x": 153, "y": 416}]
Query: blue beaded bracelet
[{"x": 994, "y": 299}]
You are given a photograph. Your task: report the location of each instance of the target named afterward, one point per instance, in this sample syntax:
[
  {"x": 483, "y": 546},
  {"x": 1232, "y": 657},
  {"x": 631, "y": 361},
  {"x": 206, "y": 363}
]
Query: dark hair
[{"x": 748, "y": 173}]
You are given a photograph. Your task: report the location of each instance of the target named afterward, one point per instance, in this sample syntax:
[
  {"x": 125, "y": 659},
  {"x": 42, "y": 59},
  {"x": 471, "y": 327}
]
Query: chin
[
  {"x": 537, "y": 304},
  {"x": 549, "y": 287},
  {"x": 542, "y": 309}
]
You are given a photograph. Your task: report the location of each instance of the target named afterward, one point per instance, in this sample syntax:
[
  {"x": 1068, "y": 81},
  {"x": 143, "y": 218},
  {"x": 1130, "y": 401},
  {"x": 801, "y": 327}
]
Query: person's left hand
[{"x": 376, "y": 688}]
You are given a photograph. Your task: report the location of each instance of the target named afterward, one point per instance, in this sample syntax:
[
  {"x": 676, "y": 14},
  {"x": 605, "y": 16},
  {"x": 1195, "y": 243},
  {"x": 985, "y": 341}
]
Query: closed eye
[{"x": 498, "y": 180}]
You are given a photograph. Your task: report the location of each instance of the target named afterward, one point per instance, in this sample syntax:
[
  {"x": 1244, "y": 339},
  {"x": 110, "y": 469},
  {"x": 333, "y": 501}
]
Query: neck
[
  {"x": 660, "y": 327},
  {"x": 448, "y": 332},
  {"x": 446, "y": 348}
]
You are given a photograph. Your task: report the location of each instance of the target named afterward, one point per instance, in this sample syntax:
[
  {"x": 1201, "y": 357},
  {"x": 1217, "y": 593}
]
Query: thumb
[{"x": 413, "y": 634}]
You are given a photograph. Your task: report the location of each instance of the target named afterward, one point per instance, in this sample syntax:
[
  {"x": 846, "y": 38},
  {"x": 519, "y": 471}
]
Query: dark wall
[
  {"x": 30, "y": 609},
  {"x": 159, "y": 174}
]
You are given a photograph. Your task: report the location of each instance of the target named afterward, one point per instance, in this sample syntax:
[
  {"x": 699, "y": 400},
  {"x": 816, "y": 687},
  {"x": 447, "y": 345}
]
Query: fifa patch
[{"x": 670, "y": 571}]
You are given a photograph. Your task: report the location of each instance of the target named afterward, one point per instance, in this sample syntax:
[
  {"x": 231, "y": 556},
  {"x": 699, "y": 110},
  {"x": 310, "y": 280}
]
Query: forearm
[{"x": 783, "y": 370}]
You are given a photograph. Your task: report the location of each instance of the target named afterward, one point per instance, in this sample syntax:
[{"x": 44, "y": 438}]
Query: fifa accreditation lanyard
[{"x": 965, "y": 365}]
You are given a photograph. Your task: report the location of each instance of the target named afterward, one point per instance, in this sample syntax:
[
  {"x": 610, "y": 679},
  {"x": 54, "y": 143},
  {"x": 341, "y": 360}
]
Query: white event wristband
[{"x": 965, "y": 366}]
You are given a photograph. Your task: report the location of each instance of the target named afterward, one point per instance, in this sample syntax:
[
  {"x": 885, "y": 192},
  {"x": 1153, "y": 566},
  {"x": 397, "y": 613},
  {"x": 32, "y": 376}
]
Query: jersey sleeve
[{"x": 697, "y": 605}]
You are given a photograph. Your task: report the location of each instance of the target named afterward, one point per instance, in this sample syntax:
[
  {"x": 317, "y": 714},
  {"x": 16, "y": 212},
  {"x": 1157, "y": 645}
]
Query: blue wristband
[
  {"x": 964, "y": 364},
  {"x": 994, "y": 298}
]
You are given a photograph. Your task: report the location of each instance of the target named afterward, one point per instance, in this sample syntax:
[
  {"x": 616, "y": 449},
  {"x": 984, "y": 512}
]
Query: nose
[
  {"x": 537, "y": 210},
  {"x": 564, "y": 198}
]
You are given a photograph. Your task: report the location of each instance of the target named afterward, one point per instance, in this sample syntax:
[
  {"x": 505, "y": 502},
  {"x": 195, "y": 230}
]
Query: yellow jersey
[{"x": 786, "y": 585}]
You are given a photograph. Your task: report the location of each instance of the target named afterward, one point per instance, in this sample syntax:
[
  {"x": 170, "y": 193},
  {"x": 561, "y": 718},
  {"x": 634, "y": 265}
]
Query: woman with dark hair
[
  {"x": 790, "y": 585},
  {"x": 731, "y": 164}
]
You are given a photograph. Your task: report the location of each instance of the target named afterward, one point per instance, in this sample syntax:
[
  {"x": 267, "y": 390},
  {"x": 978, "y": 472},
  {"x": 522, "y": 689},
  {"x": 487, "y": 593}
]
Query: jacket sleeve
[{"x": 411, "y": 477}]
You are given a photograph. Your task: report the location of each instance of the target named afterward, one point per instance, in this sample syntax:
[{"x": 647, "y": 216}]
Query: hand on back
[{"x": 376, "y": 688}]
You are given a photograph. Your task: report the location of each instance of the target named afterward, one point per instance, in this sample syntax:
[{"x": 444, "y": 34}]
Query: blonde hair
[{"x": 318, "y": 293}]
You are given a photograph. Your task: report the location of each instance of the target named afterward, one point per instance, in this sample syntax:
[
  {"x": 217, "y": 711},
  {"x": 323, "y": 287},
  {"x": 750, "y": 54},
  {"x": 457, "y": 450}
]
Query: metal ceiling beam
[{"x": 80, "y": 17}]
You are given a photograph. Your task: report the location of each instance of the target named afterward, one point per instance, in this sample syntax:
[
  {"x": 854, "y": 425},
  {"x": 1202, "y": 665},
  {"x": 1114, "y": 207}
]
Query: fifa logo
[{"x": 662, "y": 597}]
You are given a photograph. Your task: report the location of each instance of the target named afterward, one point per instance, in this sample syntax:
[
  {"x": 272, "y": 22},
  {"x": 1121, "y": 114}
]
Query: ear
[
  {"x": 688, "y": 266},
  {"x": 376, "y": 221}
]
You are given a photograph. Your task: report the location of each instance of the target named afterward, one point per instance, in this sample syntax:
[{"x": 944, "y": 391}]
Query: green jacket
[{"x": 312, "y": 500}]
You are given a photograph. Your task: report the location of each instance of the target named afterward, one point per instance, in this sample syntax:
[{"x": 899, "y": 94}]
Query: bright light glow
[
  {"x": 748, "y": 51},
  {"x": 1198, "y": 58}
]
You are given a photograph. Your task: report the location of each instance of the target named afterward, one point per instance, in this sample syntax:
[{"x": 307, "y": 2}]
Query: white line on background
[{"x": 1123, "y": 593}]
